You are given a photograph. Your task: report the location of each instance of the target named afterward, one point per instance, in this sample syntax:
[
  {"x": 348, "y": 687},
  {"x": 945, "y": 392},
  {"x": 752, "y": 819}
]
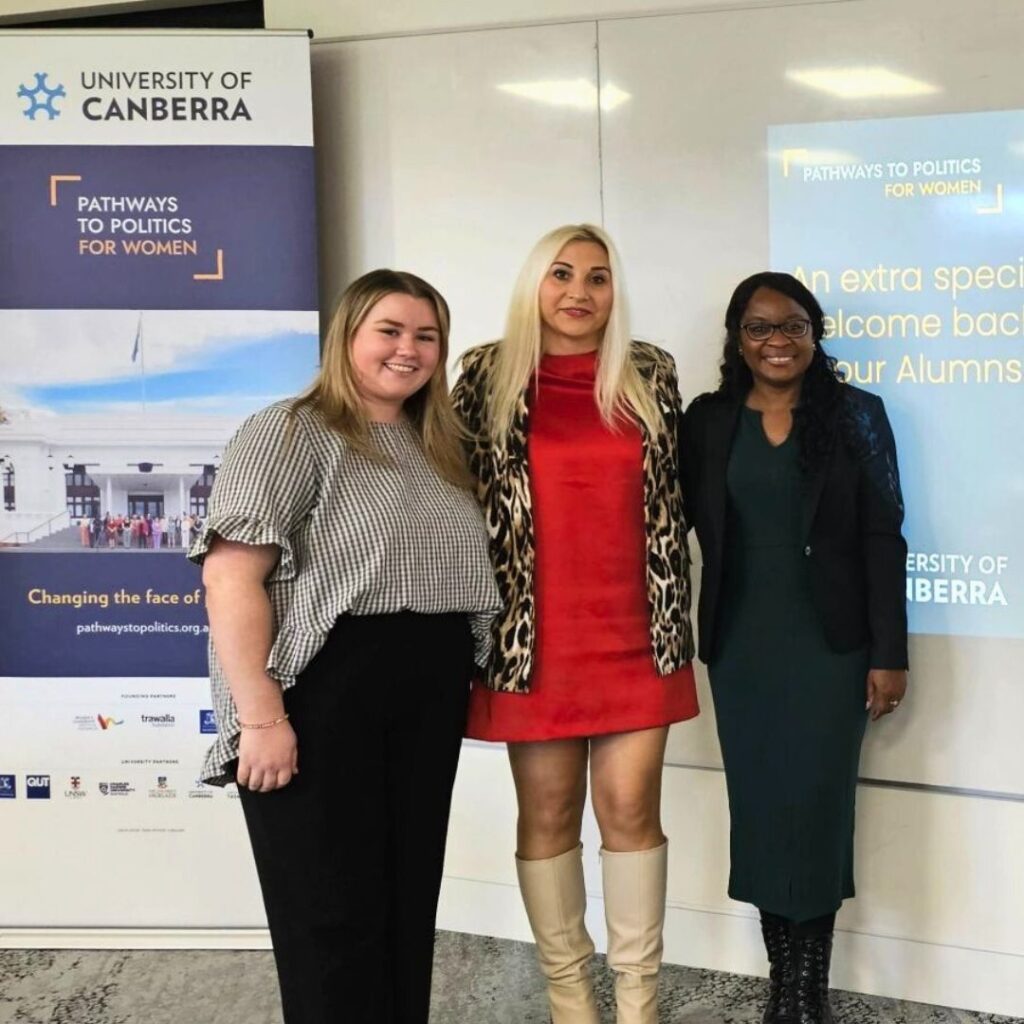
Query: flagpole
[
  {"x": 139, "y": 352},
  {"x": 142, "y": 361}
]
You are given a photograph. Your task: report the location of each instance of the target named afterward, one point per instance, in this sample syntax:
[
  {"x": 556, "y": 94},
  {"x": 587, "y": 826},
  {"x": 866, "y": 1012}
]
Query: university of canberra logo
[
  {"x": 41, "y": 97},
  {"x": 8, "y": 787},
  {"x": 207, "y": 720}
]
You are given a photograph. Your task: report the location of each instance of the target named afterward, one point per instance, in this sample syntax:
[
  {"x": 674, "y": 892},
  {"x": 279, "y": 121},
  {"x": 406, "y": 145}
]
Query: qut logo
[{"x": 37, "y": 787}]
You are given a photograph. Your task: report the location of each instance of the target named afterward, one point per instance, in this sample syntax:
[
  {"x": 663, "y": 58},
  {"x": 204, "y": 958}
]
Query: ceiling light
[
  {"x": 578, "y": 93},
  {"x": 861, "y": 83}
]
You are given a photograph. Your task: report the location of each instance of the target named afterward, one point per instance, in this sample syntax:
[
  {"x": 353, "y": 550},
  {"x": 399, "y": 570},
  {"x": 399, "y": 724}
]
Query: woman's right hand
[{"x": 267, "y": 758}]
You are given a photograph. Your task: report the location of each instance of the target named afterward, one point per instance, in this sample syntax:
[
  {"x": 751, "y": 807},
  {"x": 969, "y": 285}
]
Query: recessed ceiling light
[
  {"x": 860, "y": 83},
  {"x": 579, "y": 93}
]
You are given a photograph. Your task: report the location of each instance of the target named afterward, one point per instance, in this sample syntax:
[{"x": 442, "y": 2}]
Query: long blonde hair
[
  {"x": 619, "y": 388},
  {"x": 335, "y": 391}
]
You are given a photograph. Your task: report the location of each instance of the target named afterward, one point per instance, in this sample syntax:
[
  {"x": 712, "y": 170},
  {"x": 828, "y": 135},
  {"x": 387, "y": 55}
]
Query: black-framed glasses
[{"x": 760, "y": 330}]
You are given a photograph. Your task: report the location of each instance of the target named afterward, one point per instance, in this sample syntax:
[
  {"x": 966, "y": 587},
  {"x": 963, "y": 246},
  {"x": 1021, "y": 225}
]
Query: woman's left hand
[{"x": 886, "y": 687}]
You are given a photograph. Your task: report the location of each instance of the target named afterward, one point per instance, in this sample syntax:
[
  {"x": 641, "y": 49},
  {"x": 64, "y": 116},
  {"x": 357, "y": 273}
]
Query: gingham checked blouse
[{"x": 356, "y": 536}]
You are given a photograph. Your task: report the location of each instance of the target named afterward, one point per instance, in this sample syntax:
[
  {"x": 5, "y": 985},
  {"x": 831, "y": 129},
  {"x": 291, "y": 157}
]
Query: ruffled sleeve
[{"x": 266, "y": 487}]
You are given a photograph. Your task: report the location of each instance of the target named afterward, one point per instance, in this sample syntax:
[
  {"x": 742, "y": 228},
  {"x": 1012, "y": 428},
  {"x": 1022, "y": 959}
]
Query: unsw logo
[
  {"x": 37, "y": 787},
  {"x": 75, "y": 790},
  {"x": 41, "y": 97}
]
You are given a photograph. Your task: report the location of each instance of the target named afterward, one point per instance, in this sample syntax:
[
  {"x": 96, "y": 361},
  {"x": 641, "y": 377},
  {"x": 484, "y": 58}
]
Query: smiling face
[
  {"x": 779, "y": 362},
  {"x": 395, "y": 351},
  {"x": 575, "y": 299}
]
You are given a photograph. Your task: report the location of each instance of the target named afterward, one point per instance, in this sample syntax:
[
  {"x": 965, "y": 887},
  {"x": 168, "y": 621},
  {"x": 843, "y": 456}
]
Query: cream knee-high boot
[
  {"x": 634, "y": 906},
  {"x": 555, "y": 900}
]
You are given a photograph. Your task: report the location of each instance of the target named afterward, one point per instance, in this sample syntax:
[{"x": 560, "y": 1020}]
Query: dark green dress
[{"x": 790, "y": 710}]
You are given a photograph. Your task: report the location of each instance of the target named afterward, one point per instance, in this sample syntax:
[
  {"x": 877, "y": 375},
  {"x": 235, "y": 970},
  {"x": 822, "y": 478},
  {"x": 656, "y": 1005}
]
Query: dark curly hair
[{"x": 814, "y": 419}]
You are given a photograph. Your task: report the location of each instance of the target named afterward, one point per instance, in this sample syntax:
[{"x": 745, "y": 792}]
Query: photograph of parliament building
[
  {"x": 73, "y": 468},
  {"x": 113, "y": 443}
]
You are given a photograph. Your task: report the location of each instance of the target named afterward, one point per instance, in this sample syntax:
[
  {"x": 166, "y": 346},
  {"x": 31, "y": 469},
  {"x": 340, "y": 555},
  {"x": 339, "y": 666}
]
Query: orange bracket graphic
[
  {"x": 55, "y": 179},
  {"x": 219, "y": 275},
  {"x": 790, "y": 157},
  {"x": 997, "y": 206}
]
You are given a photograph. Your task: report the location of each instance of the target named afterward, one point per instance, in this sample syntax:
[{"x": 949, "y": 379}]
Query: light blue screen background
[{"x": 959, "y": 445}]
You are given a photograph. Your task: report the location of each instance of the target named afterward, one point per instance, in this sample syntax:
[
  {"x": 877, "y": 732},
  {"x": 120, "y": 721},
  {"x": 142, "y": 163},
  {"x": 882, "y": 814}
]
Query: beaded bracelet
[{"x": 265, "y": 725}]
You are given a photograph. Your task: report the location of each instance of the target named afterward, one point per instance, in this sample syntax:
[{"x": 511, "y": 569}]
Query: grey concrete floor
[{"x": 476, "y": 981}]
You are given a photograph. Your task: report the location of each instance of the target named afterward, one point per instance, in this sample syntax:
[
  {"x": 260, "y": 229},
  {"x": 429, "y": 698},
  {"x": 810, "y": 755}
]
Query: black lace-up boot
[
  {"x": 778, "y": 943},
  {"x": 812, "y": 954}
]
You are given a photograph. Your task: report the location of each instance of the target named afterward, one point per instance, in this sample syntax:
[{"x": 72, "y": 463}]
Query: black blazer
[{"x": 852, "y": 514}]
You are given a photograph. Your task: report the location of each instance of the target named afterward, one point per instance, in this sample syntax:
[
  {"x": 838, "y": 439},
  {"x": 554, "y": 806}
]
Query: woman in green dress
[{"x": 792, "y": 485}]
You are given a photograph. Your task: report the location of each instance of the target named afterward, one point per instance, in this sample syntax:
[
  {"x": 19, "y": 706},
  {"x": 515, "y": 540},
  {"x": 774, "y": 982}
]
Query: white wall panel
[
  {"x": 406, "y": 17},
  {"x": 685, "y": 195},
  {"x": 426, "y": 164},
  {"x": 935, "y": 920}
]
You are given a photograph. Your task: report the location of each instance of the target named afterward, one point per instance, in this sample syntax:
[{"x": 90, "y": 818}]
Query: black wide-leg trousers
[{"x": 350, "y": 853}]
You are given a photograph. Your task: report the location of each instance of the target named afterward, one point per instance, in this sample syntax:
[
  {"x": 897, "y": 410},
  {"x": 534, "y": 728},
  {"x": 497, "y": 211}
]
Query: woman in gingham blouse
[{"x": 349, "y": 592}]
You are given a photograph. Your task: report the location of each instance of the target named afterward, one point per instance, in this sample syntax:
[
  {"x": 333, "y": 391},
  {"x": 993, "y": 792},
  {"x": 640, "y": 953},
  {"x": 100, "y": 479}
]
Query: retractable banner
[{"x": 157, "y": 284}]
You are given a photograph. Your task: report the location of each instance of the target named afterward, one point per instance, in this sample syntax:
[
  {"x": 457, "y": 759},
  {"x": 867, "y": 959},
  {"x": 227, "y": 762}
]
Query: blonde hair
[
  {"x": 335, "y": 391},
  {"x": 619, "y": 388}
]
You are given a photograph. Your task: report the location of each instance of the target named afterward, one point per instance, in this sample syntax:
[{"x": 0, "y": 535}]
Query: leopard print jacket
[{"x": 503, "y": 488}]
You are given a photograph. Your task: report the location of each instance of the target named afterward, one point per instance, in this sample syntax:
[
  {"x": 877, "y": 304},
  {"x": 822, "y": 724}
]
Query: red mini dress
[{"x": 593, "y": 672}]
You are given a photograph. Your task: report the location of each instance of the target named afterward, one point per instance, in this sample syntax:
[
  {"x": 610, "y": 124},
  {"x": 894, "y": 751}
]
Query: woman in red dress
[{"x": 573, "y": 429}]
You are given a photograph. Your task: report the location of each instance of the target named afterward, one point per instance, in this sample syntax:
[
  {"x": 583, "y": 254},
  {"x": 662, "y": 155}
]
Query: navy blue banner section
[
  {"x": 158, "y": 227},
  {"x": 93, "y": 615}
]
